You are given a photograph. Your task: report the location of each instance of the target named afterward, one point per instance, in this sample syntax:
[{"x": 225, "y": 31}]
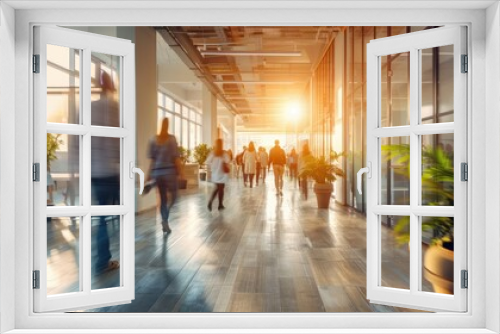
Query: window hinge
[
  {"x": 465, "y": 64},
  {"x": 465, "y": 279},
  {"x": 36, "y": 279},
  {"x": 36, "y": 63},
  {"x": 464, "y": 171},
  {"x": 36, "y": 172}
]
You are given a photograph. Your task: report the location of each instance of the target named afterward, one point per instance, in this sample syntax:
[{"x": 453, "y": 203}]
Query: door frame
[{"x": 474, "y": 19}]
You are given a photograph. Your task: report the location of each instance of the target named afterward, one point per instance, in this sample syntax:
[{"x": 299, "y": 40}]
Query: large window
[{"x": 185, "y": 121}]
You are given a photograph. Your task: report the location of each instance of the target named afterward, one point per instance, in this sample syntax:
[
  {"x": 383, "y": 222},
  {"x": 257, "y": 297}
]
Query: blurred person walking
[
  {"x": 304, "y": 158},
  {"x": 239, "y": 163},
  {"x": 165, "y": 168},
  {"x": 105, "y": 167},
  {"x": 264, "y": 160},
  {"x": 277, "y": 158},
  {"x": 293, "y": 159},
  {"x": 258, "y": 167},
  {"x": 219, "y": 161},
  {"x": 250, "y": 162}
]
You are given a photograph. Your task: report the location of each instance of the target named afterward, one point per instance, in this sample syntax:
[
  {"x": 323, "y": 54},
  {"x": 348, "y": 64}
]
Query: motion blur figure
[
  {"x": 105, "y": 166},
  {"x": 166, "y": 168}
]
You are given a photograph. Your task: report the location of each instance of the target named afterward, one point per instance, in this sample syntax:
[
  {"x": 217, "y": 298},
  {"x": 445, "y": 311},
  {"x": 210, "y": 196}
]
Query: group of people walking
[{"x": 166, "y": 168}]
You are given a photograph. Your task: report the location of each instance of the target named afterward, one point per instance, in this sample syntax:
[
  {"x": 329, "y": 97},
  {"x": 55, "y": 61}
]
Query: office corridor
[{"x": 264, "y": 253}]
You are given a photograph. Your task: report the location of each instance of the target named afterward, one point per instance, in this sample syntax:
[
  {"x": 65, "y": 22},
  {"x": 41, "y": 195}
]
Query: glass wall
[
  {"x": 338, "y": 118},
  {"x": 185, "y": 122}
]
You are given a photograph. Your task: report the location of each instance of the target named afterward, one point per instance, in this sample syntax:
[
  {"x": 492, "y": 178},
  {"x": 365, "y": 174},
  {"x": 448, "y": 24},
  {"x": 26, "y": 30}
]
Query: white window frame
[
  {"x": 86, "y": 43},
  {"x": 483, "y": 50},
  {"x": 413, "y": 43}
]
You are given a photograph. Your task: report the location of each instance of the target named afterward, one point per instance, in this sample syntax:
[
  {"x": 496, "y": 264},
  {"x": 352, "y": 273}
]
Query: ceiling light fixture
[
  {"x": 257, "y": 82},
  {"x": 252, "y": 53}
]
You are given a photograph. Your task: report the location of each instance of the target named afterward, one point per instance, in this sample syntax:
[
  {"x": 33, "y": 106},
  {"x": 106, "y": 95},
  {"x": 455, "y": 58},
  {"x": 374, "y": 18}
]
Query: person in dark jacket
[{"x": 277, "y": 158}]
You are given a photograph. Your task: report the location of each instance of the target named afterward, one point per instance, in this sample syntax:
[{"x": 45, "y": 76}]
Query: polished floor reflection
[{"x": 264, "y": 253}]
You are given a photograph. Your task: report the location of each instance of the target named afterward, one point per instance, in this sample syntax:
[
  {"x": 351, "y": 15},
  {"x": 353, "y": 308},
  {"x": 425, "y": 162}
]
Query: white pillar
[
  {"x": 146, "y": 103},
  {"x": 209, "y": 108}
]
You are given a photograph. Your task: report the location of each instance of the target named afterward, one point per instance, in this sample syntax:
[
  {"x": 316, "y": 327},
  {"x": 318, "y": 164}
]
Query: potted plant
[
  {"x": 185, "y": 154},
  {"x": 53, "y": 143},
  {"x": 323, "y": 172},
  {"x": 437, "y": 189},
  {"x": 200, "y": 155}
]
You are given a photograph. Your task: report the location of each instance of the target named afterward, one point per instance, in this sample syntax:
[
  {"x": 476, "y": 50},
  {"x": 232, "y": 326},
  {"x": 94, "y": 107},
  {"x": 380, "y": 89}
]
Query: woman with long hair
[
  {"x": 166, "y": 168},
  {"x": 304, "y": 158},
  {"x": 250, "y": 162},
  {"x": 218, "y": 160}
]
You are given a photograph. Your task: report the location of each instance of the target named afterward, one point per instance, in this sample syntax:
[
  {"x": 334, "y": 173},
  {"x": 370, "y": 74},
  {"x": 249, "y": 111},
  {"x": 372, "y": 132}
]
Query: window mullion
[
  {"x": 86, "y": 251},
  {"x": 414, "y": 104}
]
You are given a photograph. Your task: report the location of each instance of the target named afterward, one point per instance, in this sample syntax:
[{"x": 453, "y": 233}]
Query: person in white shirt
[
  {"x": 219, "y": 161},
  {"x": 250, "y": 162}
]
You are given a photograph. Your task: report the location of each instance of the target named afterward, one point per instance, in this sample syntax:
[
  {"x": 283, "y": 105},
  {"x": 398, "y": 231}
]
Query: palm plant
[
  {"x": 53, "y": 143},
  {"x": 185, "y": 154},
  {"x": 322, "y": 170},
  {"x": 201, "y": 153},
  {"x": 437, "y": 190}
]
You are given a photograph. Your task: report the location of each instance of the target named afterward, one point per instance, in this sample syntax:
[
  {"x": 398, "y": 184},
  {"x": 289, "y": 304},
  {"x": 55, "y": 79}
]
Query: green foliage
[
  {"x": 437, "y": 184},
  {"x": 201, "y": 153},
  {"x": 53, "y": 143},
  {"x": 185, "y": 154},
  {"x": 322, "y": 170}
]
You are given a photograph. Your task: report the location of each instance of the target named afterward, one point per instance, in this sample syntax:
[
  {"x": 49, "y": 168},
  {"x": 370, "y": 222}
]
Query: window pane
[
  {"x": 437, "y": 170},
  {"x": 437, "y": 254},
  {"x": 192, "y": 135},
  {"x": 177, "y": 130},
  {"x": 105, "y": 252},
  {"x": 169, "y": 103},
  {"x": 105, "y": 171},
  {"x": 161, "y": 101},
  {"x": 395, "y": 253},
  {"x": 106, "y": 90},
  {"x": 395, "y": 171},
  {"x": 63, "y": 85},
  {"x": 177, "y": 108},
  {"x": 185, "y": 112},
  {"x": 63, "y": 255},
  {"x": 192, "y": 116},
  {"x": 437, "y": 85},
  {"x": 395, "y": 88},
  {"x": 63, "y": 169},
  {"x": 199, "y": 139},
  {"x": 185, "y": 134}
]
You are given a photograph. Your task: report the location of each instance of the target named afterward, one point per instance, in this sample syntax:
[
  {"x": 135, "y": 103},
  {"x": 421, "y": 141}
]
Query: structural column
[
  {"x": 146, "y": 103},
  {"x": 209, "y": 108}
]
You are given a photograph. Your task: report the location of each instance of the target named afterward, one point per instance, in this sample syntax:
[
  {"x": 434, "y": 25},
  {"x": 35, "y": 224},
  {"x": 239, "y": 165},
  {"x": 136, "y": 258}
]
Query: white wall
[{"x": 7, "y": 159}]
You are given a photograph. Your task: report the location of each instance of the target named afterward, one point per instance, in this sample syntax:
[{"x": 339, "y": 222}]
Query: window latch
[{"x": 367, "y": 170}]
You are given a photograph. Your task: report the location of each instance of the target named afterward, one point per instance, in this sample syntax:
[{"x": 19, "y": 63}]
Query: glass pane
[
  {"x": 199, "y": 139},
  {"x": 395, "y": 171},
  {"x": 161, "y": 101},
  {"x": 395, "y": 89},
  {"x": 63, "y": 85},
  {"x": 63, "y": 169},
  {"x": 105, "y": 171},
  {"x": 192, "y": 135},
  {"x": 106, "y": 90},
  {"x": 177, "y": 108},
  {"x": 395, "y": 252},
  {"x": 177, "y": 130},
  {"x": 437, "y": 170},
  {"x": 169, "y": 103},
  {"x": 105, "y": 252},
  {"x": 185, "y": 137},
  {"x": 437, "y": 84},
  {"x": 437, "y": 254},
  {"x": 185, "y": 112},
  {"x": 63, "y": 255}
]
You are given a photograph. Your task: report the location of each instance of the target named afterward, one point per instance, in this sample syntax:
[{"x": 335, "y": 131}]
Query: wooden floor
[{"x": 264, "y": 253}]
